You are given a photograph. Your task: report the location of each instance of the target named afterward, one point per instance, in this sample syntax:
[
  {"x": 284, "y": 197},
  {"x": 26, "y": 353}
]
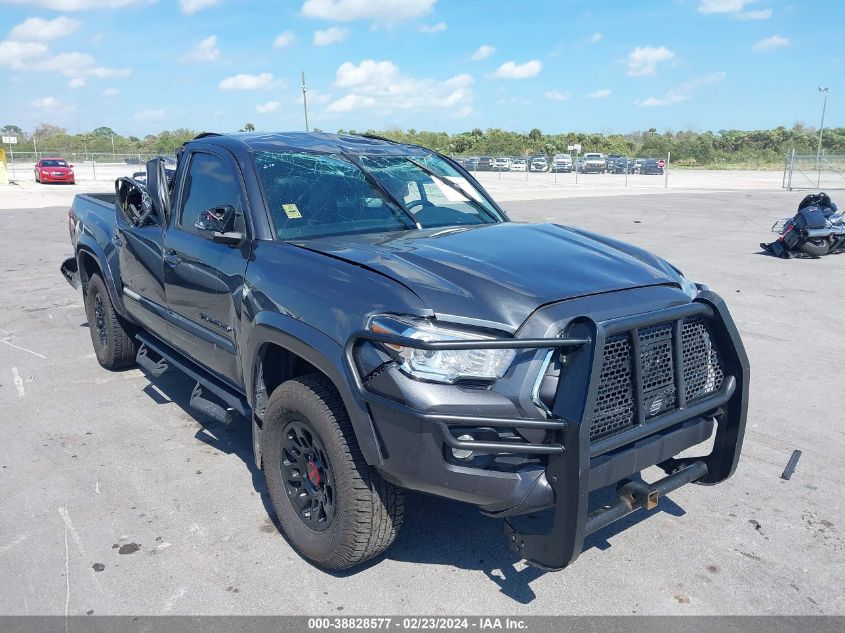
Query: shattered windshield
[{"x": 314, "y": 195}]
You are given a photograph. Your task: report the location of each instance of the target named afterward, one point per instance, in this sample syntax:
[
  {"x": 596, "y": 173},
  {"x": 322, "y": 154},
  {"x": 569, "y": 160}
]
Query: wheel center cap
[{"x": 313, "y": 472}]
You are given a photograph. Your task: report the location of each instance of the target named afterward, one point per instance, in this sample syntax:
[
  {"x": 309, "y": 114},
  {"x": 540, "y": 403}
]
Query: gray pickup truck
[{"x": 383, "y": 326}]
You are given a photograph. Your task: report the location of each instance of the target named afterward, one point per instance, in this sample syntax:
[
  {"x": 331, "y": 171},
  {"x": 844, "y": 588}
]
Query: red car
[{"x": 54, "y": 170}]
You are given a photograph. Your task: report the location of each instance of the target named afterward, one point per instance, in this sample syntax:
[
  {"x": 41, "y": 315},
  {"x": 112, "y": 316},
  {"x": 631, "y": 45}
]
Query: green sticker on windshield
[{"x": 292, "y": 211}]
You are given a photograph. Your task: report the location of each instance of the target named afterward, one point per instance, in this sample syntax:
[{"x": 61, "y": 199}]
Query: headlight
[{"x": 446, "y": 366}]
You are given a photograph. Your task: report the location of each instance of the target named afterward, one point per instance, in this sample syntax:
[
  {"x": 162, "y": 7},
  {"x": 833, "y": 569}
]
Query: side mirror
[
  {"x": 71, "y": 166},
  {"x": 219, "y": 223},
  {"x": 232, "y": 238}
]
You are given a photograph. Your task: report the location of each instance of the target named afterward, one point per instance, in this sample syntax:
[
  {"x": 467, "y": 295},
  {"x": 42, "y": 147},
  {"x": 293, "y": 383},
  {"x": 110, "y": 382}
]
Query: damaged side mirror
[{"x": 218, "y": 224}]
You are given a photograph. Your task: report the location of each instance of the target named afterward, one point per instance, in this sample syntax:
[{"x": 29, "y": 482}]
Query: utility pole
[
  {"x": 112, "y": 146},
  {"x": 821, "y": 130},
  {"x": 304, "y": 101}
]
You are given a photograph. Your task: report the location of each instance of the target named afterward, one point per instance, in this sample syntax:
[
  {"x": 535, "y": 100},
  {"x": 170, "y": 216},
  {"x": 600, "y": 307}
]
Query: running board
[
  {"x": 224, "y": 415},
  {"x": 152, "y": 367},
  {"x": 233, "y": 401}
]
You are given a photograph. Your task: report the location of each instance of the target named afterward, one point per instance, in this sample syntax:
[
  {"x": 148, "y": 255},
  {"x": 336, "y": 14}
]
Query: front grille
[{"x": 615, "y": 408}]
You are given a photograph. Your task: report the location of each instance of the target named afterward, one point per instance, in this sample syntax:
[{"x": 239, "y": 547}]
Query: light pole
[
  {"x": 821, "y": 130},
  {"x": 304, "y": 101}
]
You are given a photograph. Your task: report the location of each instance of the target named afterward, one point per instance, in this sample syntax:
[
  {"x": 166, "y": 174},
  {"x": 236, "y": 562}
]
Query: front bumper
[
  {"x": 46, "y": 177},
  {"x": 560, "y": 469}
]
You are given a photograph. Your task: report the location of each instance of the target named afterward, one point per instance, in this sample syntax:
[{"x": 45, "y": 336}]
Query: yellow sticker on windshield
[{"x": 292, "y": 211}]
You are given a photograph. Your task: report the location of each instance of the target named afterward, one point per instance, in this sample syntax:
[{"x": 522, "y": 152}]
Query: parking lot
[{"x": 119, "y": 499}]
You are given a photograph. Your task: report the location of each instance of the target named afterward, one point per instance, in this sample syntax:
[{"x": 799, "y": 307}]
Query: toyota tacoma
[{"x": 382, "y": 325}]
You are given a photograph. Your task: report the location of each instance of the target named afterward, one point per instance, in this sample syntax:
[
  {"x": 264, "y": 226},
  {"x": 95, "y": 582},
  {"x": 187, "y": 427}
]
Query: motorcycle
[{"x": 818, "y": 228}]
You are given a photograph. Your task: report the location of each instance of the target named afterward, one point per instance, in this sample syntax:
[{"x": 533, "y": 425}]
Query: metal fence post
[
  {"x": 791, "y": 168},
  {"x": 785, "y": 167},
  {"x": 666, "y": 171}
]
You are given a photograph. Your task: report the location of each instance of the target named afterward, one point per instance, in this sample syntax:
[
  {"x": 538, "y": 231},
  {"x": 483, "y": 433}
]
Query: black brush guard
[{"x": 570, "y": 450}]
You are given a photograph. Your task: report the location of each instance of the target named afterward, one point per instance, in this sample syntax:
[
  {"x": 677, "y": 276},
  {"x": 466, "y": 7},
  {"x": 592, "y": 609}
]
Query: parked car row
[{"x": 589, "y": 163}]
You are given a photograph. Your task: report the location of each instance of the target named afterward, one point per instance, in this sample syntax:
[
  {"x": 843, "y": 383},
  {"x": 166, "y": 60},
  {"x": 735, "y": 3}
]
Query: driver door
[{"x": 204, "y": 279}]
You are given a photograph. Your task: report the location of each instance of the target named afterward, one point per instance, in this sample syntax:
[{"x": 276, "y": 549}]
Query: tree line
[{"x": 725, "y": 148}]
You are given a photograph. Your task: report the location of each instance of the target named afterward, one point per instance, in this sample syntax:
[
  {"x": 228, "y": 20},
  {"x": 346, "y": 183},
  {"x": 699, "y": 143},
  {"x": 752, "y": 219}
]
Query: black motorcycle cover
[{"x": 810, "y": 218}]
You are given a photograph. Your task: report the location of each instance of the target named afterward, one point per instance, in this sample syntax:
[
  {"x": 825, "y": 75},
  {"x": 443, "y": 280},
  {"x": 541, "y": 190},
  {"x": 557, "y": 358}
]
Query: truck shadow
[{"x": 436, "y": 531}]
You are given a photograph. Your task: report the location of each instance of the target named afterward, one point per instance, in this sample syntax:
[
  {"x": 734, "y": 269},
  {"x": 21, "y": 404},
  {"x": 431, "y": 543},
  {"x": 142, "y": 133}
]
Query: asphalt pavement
[{"x": 116, "y": 498}]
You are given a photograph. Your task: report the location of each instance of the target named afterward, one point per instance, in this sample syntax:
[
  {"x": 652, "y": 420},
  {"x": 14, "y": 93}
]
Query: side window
[{"x": 209, "y": 183}]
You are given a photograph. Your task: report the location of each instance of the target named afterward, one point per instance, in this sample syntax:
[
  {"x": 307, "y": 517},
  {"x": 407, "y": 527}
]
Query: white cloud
[
  {"x": 512, "y": 70},
  {"x": 482, "y": 52},
  {"x": 110, "y": 92},
  {"x": 283, "y": 39},
  {"x": 46, "y": 103},
  {"x": 381, "y": 12},
  {"x": 77, "y": 82},
  {"x": 331, "y": 35},
  {"x": 734, "y": 8},
  {"x": 79, "y": 5},
  {"x": 769, "y": 43},
  {"x": 643, "y": 60},
  {"x": 600, "y": 94},
  {"x": 35, "y": 56},
  {"x": 433, "y": 28},
  {"x": 380, "y": 85},
  {"x": 39, "y": 29},
  {"x": 205, "y": 51},
  {"x": 351, "y": 102},
  {"x": 763, "y": 14},
  {"x": 596, "y": 37},
  {"x": 681, "y": 93},
  {"x": 247, "y": 82},
  {"x": 190, "y": 7},
  {"x": 557, "y": 95},
  {"x": 20, "y": 55},
  {"x": 75, "y": 64},
  {"x": 266, "y": 108},
  {"x": 151, "y": 115}
]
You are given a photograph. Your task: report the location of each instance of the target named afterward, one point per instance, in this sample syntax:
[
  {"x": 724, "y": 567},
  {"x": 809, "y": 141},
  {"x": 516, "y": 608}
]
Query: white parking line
[
  {"x": 16, "y": 377},
  {"x": 21, "y": 348}
]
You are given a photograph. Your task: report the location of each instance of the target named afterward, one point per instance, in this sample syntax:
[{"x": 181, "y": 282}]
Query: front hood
[{"x": 500, "y": 272}]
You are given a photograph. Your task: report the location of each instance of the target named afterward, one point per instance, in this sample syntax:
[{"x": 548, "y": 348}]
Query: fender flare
[
  {"x": 90, "y": 247},
  {"x": 324, "y": 353}
]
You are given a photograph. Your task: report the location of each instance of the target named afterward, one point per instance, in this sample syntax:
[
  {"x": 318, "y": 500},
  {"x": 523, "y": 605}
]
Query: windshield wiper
[
  {"x": 388, "y": 197},
  {"x": 455, "y": 186}
]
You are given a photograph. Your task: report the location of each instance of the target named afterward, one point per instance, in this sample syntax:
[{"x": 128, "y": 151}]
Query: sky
[{"x": 141, "y": 66}]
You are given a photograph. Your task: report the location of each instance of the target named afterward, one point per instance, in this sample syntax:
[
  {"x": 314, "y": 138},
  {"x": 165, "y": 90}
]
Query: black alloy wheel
[{"x": 307, "y": 476}]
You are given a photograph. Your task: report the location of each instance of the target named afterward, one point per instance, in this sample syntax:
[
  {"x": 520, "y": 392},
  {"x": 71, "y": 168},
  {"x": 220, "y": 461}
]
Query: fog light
[{"x": 461, "y": 453}]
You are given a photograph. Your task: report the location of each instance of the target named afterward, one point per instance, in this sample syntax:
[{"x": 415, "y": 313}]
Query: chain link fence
[
  {"x": 811, "y": 171},
  {"x": 88, "y": 165}
]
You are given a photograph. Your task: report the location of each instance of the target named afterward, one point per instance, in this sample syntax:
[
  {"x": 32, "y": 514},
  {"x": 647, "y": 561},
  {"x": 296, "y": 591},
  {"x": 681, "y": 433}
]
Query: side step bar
[
  {"x": 151, "y": 367},
  {"x": 232, "y": 400}
]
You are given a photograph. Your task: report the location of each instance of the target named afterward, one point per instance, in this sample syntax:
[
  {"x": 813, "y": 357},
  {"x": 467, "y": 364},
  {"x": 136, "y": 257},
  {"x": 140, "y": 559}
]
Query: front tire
[
  {"x": 112, "y": 338},
  {"x": 336, "y": 510}
]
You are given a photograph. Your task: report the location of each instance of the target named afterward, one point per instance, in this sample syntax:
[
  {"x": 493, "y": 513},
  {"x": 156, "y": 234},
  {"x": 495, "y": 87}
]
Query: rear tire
[
  {"x": 112, "y": 338},
  {"x": 336, "y": 510},
  {"x": 814, "y": 248}
]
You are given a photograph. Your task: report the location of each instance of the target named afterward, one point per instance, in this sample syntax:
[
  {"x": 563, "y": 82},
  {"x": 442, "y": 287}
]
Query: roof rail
[
  {"x": 380, "y": 138},
  {"x": 206, "y": 135}
]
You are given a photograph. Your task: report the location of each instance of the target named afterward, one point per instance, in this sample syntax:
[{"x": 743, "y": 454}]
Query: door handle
[{"x": 171, "y": 258}]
